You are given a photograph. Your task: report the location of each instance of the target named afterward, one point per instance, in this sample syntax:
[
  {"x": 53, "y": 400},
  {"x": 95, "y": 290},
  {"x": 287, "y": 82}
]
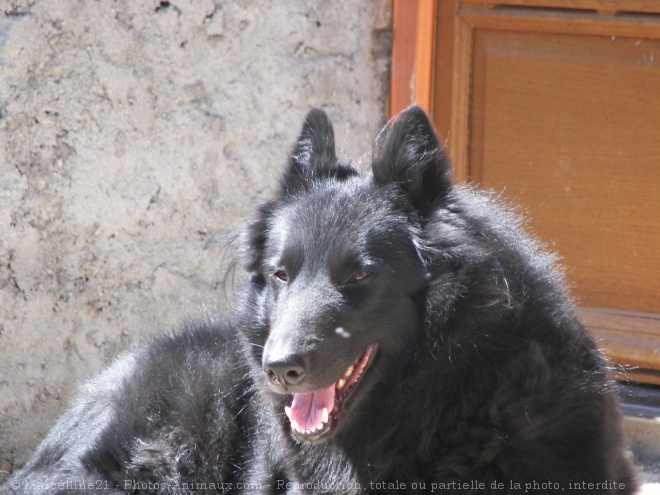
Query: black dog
[{"x": 396, "y": 334}]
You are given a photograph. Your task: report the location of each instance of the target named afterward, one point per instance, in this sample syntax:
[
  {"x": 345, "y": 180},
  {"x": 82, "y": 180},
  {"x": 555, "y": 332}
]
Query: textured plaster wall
[{"x": 134, "y": 136}]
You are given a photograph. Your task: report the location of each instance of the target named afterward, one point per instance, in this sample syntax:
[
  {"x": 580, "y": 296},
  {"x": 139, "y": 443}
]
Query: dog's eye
[
  {"x": 281, "y": 275},
  {"x": 357, "y": 277}
]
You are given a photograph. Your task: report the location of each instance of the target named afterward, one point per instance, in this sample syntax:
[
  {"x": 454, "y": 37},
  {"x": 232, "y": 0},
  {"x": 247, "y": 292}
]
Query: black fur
[{"x": 478, "y": 377}]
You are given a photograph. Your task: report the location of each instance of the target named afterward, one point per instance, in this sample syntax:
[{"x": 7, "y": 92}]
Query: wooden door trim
[
  {"x": 424, "y": 53},
  {"x": 550, "y": 21},
  {"x": 404, "y": 28},
  {"x": 630, "y": 339},
  {"x": 413, "y": 51},
  {"x": 606, "y": 7}
]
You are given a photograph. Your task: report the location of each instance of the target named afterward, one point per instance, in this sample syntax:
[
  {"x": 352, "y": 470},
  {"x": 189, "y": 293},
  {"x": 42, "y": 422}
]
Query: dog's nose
[{"x": 287, "y": 371}]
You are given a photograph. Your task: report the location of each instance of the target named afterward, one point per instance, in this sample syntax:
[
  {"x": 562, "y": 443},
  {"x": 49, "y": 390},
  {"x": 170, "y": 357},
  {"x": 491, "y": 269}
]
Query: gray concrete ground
[{"x": 645, "y": 445}]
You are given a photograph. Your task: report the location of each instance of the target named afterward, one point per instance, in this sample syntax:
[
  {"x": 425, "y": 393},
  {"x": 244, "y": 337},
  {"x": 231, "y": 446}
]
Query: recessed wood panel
[
  {"x": 568, "y": 126},
  {"x": 556, "y": 105}
]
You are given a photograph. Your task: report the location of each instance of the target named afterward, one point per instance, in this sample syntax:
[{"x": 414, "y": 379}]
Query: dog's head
[{"x": 337, "y": 268}]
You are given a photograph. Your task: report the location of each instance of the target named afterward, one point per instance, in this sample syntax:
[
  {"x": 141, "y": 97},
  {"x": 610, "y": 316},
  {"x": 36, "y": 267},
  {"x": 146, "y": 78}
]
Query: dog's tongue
[{"x": 306, "y": 410}]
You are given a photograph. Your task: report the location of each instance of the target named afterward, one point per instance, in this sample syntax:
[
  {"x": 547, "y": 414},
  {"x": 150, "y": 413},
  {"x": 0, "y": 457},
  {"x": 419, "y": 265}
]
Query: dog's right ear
[
  {"x": 313, "y": 157},
  {"x": 411, "y": 158}
]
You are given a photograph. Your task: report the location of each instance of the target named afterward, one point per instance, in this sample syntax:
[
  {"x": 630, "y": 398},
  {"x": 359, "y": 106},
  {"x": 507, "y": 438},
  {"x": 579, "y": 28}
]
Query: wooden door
[{"x": 556, "y": 105}]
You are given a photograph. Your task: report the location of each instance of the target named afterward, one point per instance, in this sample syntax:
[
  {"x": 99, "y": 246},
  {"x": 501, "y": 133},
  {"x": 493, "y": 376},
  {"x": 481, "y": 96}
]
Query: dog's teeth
[
  {"x": 341, "y": 383},
  {"x": 349, "y": 371},
  {"x": 326, "y": 415}
]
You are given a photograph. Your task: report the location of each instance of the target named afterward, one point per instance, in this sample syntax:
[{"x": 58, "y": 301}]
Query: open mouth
[{"x": 314, "y": 414}]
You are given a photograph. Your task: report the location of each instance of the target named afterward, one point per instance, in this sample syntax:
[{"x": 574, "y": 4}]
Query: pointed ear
[
  {"x": 412, "y": 158},
  {"x": 313, "y": 156}
]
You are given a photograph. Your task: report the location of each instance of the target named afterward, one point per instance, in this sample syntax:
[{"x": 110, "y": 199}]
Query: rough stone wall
[{"x": 134, "y": 136}]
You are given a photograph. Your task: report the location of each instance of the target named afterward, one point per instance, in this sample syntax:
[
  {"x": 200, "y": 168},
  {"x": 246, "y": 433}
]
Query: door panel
[
  {"x": 557, "y": 108},
  {"x": 569, "y": 127}
]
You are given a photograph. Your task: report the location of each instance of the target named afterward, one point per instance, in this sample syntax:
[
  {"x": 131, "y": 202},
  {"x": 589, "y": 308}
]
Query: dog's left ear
[
  {"x": 313, "y": 156},
  {"x": 412, "y": 158}
]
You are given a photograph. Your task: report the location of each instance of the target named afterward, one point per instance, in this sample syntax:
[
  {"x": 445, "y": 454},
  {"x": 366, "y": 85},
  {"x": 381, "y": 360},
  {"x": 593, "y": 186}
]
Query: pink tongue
[{"x": 306, "y": 410}]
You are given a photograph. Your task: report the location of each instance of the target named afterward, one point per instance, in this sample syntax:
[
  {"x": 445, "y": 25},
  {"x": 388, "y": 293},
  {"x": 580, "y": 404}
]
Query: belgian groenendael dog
[{"x": 395, "y": 334}]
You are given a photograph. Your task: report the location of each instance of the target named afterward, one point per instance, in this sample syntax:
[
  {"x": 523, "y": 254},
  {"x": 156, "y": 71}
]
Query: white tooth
[
  {"x": 326, "y": 415},
  {"x": 341, "y": 383},
  {"x": 349, "y": 371}
]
